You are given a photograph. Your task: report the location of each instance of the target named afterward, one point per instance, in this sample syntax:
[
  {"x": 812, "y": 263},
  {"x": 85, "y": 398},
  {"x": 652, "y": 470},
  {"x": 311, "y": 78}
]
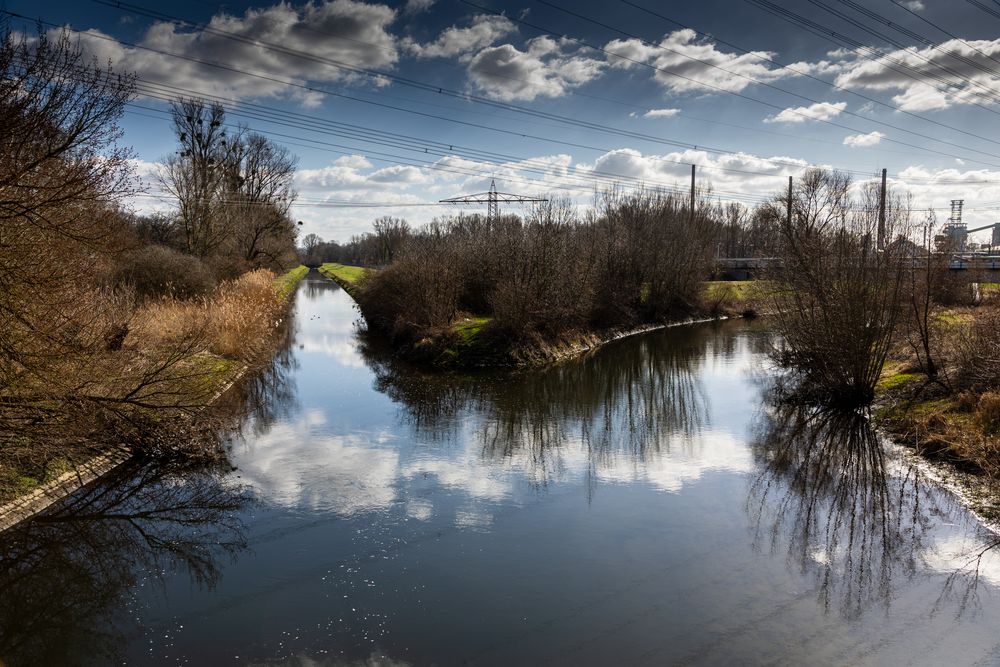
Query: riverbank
[
  {"x": 471, "y": 341},
  {"x": 344, "y": 275},
  {"x": 953, "y": 420},
  {"x": 32, "y": 482}
]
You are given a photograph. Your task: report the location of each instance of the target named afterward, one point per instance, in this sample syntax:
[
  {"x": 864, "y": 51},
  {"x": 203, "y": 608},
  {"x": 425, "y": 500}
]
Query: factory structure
[{"x": 955, "y": 234}]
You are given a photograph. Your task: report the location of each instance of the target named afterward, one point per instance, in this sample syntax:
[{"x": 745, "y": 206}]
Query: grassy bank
[
  {"x": 346, "y": 276},
  {"x": 286, "y": 282},
  {"x": 955, "y": 419},
  {"x": 736, "y": 297},
  {"x": 207, "y": 343}
]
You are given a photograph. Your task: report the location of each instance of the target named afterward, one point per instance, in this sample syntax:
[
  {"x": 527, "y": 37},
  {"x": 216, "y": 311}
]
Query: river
[{"x": 640, "y": 505}]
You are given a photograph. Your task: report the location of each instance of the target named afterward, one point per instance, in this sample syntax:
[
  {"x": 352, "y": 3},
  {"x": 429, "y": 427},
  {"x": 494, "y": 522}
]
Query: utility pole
[
  {"x": 789, "y": 212},
  {"x": 881, "y": 214},
  {"x": 691, "y": 213}
]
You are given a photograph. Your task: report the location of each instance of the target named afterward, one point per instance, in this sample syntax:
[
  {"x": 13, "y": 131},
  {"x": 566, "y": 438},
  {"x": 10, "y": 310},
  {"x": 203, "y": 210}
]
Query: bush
[
  {"x": 157, "y": 270},
  {"x": 988, "y": 413},
  {"x": 419, "y": 291},
  {"x": 954, "y": 289},
  {"x": 978, "y": 351},
  {"x": 234, "y": 321},
  {"x": 643, "y": 259}
]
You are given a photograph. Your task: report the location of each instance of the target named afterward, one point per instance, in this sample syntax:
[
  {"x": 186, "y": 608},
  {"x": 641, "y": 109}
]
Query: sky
[{"x": 391, "y": 107}]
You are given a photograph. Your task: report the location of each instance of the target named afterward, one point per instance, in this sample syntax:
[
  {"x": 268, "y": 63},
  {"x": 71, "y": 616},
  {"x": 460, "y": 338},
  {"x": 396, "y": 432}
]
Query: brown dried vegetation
[{"x": 86, "y": 363}]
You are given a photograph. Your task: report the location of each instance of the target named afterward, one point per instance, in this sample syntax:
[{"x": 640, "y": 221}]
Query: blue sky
[{"x": 406, "y": 103}]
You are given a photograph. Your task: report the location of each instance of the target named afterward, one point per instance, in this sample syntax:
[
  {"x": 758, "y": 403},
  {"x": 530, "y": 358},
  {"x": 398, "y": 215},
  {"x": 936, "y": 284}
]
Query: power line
[
  {"x": 754, "y": 80},
  {"x": 898, "y": 66},
  {"x": 411, "y": 82},
  {"x": 311, "y": 88},
  {"x": 619, "y": 177},
  {"x": 807, "y": 75},
  {"x": 725, "y": 90},
  {"x": 986, "y": 8},
  {"x": 619, "y": 102},
  {"x": 940, "y": 29},
  {"x": 582, "y": 182}
]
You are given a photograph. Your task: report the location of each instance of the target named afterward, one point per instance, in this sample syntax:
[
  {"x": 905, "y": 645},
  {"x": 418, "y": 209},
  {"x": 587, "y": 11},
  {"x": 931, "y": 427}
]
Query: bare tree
[
  {"x": 194, "y": 175},
  {"x": 62, "y": 175},
  {"x": 837, "y": 296},
  {"x": 391, "y": 234},
  {"x": 926, "y": 270},
  {"x": 256, "y": 198}
]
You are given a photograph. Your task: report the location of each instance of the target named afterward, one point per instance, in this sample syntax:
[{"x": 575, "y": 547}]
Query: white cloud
[
  {"x": 661, "y": 113},
  {"x": 913, "y": 73},
  {"x": 914, "y": 5},
  {"x": 455, "y": 41},
  {"x": 545, "y": 69},
  {"x": 409, "y": 189},
  {"x": 818, "y": 111},
  {"x": 296, "y": 465},
  {"x": 353, "y": 161},
  {"x": 706, "y": 452},
  {"x": 356, "y": 33},
  {"x": 684, "y": 63},
  {"x": 864, "y": 140},
  {"x": 418, "y": 6}
]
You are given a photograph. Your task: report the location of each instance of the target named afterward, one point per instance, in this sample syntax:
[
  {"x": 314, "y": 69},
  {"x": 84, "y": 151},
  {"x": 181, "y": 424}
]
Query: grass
[
  {"x": 286, "y": 282},
  {"x": 467, "y": 343},
  {"x": 736, "y": 289},
  {"x": 735, "y": 296},
  {"x": 227, "y": 330},
  {"x": 470, "y": 327},
  {"x": 343, "y": 272},
  {"x": 234, "y": 322},
  {"x": 954, "y": 317},
  {"x": 894, "y": 376}
]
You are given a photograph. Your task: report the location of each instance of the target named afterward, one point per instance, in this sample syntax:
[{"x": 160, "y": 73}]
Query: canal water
[{"x": 640, "y": 505}]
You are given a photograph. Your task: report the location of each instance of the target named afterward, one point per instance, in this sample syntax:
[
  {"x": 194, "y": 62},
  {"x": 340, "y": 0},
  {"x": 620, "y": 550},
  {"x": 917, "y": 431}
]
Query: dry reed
[{"x": 234, "y": 320}]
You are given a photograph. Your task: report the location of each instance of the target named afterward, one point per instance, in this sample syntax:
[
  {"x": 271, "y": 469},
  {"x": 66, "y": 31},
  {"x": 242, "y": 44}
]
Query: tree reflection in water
[
  {"x": 267, "y": 394},
  {"x": 66, "y": 575},
  {"x": 850, "y": 513},
  {"x": 628, "y": 403}
]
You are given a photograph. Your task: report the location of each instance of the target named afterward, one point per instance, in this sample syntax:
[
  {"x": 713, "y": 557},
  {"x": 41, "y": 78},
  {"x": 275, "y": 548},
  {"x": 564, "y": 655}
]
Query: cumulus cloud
[
  {"x": 356, "y": 33},
  {"x": 914, "y": 5},
  {"x": 684, "y": 63},
  {"x": 818, "y": 111},
  {"x": 863, "y": 140},
  {"x": 455, "y": 41},
  {"x": 661, "y": 113},
  {"x": 972, "y": 60},
  {"x": 547, "y": 68}
]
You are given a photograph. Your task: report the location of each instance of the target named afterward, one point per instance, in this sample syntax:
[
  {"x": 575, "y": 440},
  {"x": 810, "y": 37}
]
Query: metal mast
[
  {"x": 492, "y": 206},
  {"x": 492, "y": 200}
]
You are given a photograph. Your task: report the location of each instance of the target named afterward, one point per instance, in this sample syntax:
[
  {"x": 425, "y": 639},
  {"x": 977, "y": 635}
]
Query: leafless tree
[
  {"x": 836, "y": 295},
  {"x": 194, "y": 175},
  {"x": 256, "y": 198},
  {"x": 391, "y": 234},
  {"x": 65, "y": 380},
  {"x": 922, "y": 329}
]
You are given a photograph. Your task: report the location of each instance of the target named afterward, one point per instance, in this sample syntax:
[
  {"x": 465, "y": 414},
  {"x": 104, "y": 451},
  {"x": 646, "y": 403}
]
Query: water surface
[{"x": 640, "y": 505}]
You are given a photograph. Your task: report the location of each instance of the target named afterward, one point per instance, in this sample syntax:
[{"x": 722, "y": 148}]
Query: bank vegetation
[
  {"x": 118, "y": 329},
  {"x": 469, "y": 291},
  {"x": 892, "y": 327}
]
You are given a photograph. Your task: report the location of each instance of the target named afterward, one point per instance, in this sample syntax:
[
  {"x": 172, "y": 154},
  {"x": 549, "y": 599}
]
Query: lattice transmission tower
[{"x": 492, "y": 199}]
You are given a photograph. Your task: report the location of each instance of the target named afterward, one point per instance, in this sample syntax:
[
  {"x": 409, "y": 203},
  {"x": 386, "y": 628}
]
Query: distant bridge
[
  {"x": 748, "y": 268},
  {"x": 743, "y": 268}
]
